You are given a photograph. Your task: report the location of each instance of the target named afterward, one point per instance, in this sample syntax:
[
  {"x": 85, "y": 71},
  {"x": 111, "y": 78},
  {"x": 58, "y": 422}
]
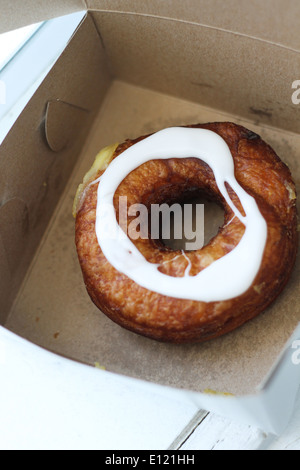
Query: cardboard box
[{"x": 133, "y": 67}]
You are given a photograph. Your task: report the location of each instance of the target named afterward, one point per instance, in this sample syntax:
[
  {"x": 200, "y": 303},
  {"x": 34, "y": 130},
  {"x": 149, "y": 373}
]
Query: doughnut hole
[{"x": 200, "y": 216}]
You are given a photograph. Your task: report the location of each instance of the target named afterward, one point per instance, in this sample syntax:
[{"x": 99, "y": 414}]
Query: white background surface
[
  {"x": 50, "y": 403},
  {"x": 11, "y": 42}
]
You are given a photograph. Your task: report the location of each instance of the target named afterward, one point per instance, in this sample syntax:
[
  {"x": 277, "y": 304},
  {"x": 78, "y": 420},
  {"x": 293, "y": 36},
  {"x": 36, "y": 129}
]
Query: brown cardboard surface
[
  {"x": 54, "y": 310},
  {"x": 276, "y": 21},
  {"x": 18, "y": 13},
  {"x": 32, "y": 175},
  {"x": 213, "y": 67}
]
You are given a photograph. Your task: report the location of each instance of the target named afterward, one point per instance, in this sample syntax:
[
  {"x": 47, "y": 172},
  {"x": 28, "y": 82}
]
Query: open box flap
[
  {"x": 81, "y": 386},
  {"x": 271, "y": 407},
  {"x": 40, "y": 151},
  {"x": 19, "y": 13},
  {"x": 275, "y": 21}
]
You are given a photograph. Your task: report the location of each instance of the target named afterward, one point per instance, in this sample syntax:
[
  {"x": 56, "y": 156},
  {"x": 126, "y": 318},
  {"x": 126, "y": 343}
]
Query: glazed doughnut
[{"x": 191, "y": 296}]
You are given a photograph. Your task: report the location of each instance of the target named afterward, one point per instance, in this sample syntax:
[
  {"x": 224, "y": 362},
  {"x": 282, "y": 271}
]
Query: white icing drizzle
[
  {"x": 189, "y": 266},
  {"x": 224, "y": 279},
  {"x": 228, "y": 223}
]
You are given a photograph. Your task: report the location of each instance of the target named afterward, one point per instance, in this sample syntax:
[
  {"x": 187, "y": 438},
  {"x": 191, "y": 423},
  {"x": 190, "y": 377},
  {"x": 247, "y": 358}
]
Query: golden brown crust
[{"x": 262, "y": 174}]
